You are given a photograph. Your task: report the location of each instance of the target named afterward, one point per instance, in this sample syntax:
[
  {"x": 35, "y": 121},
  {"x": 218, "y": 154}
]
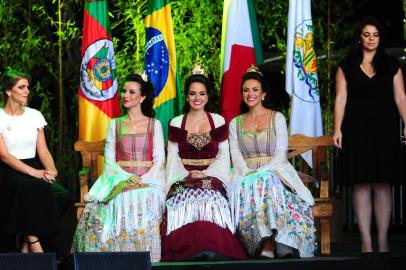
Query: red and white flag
[{"x": 240, "y": 47}]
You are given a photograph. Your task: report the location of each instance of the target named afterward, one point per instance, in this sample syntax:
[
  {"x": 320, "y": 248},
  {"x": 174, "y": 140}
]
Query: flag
[
  {"x": 240, "y": 48},
  {"x": 301, "y": 73},
  {"x": 98, "y": 97},
  {"x": 160, "y": 61}
]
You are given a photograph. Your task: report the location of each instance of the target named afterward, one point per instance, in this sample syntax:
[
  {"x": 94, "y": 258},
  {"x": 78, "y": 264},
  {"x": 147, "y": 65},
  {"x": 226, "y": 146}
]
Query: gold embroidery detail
[
  {"x": 198, "y": 140},
  {"x": 197, "y": 162},
  {"x": 134, "y": 163},
  {"x": 257, "y": 159}
]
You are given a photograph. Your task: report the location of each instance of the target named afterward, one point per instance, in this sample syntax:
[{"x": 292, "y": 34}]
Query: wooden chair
[
  {"x": 91, "y": 153},
  {"x": 323, "y": 207}
]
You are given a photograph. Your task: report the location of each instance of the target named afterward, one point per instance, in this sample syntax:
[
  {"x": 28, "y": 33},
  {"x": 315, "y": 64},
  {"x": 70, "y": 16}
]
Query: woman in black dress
[
  {"x": 31, "y": 201},
  {"x": 370, "y": 96}
]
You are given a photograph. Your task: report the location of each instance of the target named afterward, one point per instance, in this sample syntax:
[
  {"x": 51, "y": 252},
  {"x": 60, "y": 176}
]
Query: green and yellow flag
[{"x": 160, "y": 61}]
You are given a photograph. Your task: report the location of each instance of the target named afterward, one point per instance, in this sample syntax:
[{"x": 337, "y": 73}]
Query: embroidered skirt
[
  {"x": 197, "y": 220},
  {"x": 128, "y": 222},
  {"x": 263, "y": 207}
]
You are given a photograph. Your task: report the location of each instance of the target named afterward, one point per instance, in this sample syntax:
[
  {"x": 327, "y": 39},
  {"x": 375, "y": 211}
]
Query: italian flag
[
  {"x": 240, "y": 47},
  {"x": 98, "y": 97}
]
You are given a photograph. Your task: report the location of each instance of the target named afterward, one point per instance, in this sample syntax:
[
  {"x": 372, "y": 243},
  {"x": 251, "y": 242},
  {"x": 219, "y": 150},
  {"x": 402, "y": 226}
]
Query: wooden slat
[
  {"x": 322, "y": 209},
  {"x": 325, "y": 236},
  {"x": 89, "y": 146},
  {"x": 302, "y": 141}
]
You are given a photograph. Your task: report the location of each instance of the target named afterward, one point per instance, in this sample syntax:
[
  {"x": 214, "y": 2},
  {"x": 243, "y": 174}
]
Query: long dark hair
[
  {"x": 147, "y": 91},
  {"x": 355, "y": 55},
  {"x": 274, "y": 100},
  {"x": 9, "y": 79},
  {"x": 203, "y": 80}
]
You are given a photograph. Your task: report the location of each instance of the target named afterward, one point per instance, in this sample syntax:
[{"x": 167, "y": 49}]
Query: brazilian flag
[{"x": 160, "y": 61}]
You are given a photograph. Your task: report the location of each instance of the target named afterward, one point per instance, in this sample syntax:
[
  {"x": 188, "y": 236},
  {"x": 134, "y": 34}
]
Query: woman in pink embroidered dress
[
  {"x": 198, "y": 223},
  {"x": 126, "y": 203}
]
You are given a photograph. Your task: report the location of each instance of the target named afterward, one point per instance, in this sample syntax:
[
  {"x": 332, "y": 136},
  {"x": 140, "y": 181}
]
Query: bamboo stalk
[{"x": 60, "y": 86}]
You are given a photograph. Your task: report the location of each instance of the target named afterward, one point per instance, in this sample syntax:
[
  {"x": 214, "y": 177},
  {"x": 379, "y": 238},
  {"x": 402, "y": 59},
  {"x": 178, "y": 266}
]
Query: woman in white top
[
  {"x": 126, "y": 202},
  {"x": 28, "y": 186},
  {"x": 270, "y": 204}
]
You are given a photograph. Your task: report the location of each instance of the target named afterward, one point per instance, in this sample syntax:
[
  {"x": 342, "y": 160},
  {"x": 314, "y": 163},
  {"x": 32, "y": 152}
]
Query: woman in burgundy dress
[{"x": 197, "y": 224}]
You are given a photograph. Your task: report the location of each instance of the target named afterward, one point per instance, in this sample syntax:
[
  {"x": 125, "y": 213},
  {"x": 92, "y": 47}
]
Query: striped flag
[
  {"x": 301, "y": 73},
  {"x": 98, "y": 98},
  {"x": 160, "y": 61},
  {"x": 240, "y": 47}
]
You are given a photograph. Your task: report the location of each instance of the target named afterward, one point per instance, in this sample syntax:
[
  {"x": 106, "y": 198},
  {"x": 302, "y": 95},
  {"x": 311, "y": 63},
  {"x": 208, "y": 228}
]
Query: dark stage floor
[{"x": 345, "y": 255}]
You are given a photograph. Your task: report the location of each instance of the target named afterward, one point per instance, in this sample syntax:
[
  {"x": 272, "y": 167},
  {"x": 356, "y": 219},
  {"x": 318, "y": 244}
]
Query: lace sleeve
[
  {"x": 237, "y": 158},
  {"x": 174, "y": 167},
  {"x": 110, "y": 146}
]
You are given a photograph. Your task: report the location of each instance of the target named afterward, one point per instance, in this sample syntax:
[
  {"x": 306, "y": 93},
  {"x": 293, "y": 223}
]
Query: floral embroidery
[
  {"x": 206, "y": 184},
  {"x": 198, "y": 140},
  {"x": 270, "y": 208}
]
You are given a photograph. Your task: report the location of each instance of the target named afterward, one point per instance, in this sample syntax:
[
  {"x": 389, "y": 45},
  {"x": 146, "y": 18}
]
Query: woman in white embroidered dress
[
  {"x": 31, "y": 202},
  {"x": 198, "y": 223},
  {"x": 126, "y": 202},
  {"x": 270, "y": 204}
]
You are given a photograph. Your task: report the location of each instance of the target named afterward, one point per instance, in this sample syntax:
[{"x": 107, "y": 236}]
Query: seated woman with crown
[
  {"x": 126, "y": 203},
  {"x": 197, "y": 224},
  {"x": 270, "y": 204}
]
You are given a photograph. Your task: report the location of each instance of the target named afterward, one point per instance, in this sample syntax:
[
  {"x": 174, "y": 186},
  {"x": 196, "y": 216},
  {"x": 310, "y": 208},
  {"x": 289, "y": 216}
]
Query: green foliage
[
  {"x": 197, "y": 27},
  {"x": 31, "y": 37},
  {"x": 36, "y": 36}
]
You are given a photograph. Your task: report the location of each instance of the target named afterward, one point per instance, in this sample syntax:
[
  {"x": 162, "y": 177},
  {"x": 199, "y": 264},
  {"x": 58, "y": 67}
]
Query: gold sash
[
  {"x": 197, "y": 162},
  {"x": 135, "y": 163},
  {"x": 258, "y": 159}
]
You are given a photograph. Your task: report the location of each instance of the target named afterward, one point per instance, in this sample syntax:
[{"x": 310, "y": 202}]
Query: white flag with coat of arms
[{"x": 301, "y": 73}]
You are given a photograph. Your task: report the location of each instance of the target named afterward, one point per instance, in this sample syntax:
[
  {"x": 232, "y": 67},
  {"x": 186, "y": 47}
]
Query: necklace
[{"x": 9, "y": 125}]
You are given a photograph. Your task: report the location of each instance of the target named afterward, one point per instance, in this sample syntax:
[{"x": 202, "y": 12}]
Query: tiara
[
  {"x": 198, "y": 69},
  {"x": 144, "y": 76},
  {"x": 254, "y": 68}
]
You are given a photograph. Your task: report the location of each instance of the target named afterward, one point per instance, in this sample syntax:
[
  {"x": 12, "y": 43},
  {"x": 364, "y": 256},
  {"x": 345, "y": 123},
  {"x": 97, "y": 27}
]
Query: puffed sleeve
[
  {"x": 38, "y": 119},
  {"x": 237, "y": 158},
  {"x": 174, "y": 167},
  {"x": 110, "y": 145},
  {"x": 220, "y": 168},
  {"x": 156, "y": 174}
]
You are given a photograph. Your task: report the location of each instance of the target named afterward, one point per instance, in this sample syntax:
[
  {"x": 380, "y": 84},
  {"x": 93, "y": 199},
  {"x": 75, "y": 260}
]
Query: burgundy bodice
[{"x": 189, "y": 151}]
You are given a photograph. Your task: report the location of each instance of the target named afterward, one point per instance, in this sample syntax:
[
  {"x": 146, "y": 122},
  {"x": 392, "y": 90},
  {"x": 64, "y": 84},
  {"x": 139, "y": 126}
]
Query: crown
[
  {"x": 254, "y": 68},
  {"x": 144, "y": 75},
  {"x": 198, "y": 69}
]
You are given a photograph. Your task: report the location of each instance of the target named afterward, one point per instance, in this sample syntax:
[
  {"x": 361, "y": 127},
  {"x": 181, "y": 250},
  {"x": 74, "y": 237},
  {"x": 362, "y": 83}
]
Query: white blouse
[
  {"x": 279, "y": 164},
  {"x": 156, "y": 174},
  {"x": 20, "y": 132},
  {"x": 220, "y": 168}
]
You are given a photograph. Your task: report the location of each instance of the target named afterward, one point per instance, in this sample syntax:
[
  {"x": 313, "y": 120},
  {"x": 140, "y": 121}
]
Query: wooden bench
[
  {"x": 298, "y": 144},
  {"x": 319, "y": 178}
]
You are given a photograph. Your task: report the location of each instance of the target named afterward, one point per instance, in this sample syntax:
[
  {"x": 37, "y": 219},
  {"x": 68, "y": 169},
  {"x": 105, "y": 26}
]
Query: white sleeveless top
[{"x": 20, "y": 132}]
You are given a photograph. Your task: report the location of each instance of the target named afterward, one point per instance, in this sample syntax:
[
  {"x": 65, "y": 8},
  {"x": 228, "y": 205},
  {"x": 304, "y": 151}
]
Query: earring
[{"x": 263, "y": 98}]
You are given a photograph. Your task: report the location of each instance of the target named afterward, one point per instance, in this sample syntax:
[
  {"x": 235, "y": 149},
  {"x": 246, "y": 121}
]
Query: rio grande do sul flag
[
  {"x": 98, "y": 97},
  {"x": 301, "y": 73},
  {"x": 240, "y": 47},
  {"x": 160, "y": 61}
]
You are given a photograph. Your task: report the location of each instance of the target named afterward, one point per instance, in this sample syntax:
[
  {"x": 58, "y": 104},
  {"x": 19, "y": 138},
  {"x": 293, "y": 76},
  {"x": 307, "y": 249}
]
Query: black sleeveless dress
[{"x": 371, "y": 128}]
